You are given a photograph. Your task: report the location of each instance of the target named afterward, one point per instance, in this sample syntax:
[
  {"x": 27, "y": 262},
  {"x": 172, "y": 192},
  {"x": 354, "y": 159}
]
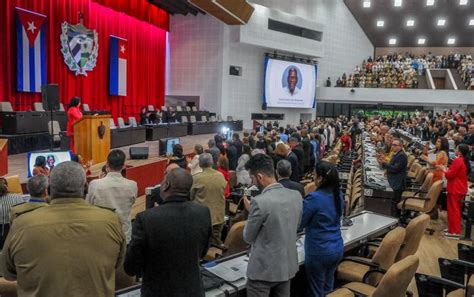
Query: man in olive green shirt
[
  {"x": 70, "y": 248},
  {"x": 38, "y": 188},
  {"x": 208, "y": 189}
]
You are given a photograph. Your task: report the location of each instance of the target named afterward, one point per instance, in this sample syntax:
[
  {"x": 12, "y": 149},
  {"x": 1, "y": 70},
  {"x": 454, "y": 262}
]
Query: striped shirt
[{"x": 6, "y": 203}]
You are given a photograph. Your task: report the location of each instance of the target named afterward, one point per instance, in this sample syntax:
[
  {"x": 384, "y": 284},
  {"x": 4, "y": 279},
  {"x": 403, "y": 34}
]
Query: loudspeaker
[
  {"x": 138, "y": 153},
  {"x": 264, "y": 106},
  {"x": 50, "y": 97}
]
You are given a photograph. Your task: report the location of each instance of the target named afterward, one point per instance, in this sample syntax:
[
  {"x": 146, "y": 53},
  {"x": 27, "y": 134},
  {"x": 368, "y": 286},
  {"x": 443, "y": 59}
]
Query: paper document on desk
[{"x": 230, "y": 272}]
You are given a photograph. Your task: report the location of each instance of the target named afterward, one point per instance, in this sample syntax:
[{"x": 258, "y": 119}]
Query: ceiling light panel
[
  {"x": 366, "y": 4},
  {"x": 421, "y": 40},
  {"x": 451, "y": 40},
  {"x": 397, "y": 3},
  {"x": 380, "y": 23},
  {"x": 410, "y": 23},
  {"x": 392, "y": 41},
  {"x": 471, "y": 22},
  {"x": 463, "y": 2},
  {"x": 441, "y": 22},
  {"x": 429, "y": 2}
]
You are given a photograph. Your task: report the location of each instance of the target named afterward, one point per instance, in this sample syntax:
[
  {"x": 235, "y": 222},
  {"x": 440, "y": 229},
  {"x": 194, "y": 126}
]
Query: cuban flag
[
  {"x": 118, "y": 66},
  {"x": 31, "y": 50}
]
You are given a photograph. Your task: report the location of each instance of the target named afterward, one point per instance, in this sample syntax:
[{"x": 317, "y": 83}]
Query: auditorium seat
[
  {"x": 85, "y": 107},
  {"x": 230, "y": 118},
  {"x": 194, "y": 108},
  {"x": 112, "y": 124},
  {"x": 151, "y": 108},
  {"x": 213, "y": 119},
  {"x": 188, "y": 108},
  {"x": 179, "y": 108},
  {"x": 233, "y": 244},
  {"x": 61, "y": 107},
  {"x": 394, "y": 282},
  {"x": 219, "y": 118},
  {"x": 8, "y": 288},
  {"x": 38, "y": 106},
  {"x": 121, "y": 123},
  {"x": 203, "y": 119},
  {"x": 6, "y": 106},
  {"x": 358, "y": 269},
  {"x": 14, "y": 185},
  {"x": 192, "y": 119},
  {"x": 132, "y": 122},
  {"x": 184, "y": 119}
]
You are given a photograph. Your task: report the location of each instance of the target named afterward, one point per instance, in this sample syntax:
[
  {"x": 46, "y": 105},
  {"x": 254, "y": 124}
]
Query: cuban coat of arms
[{"x": 80, "y": 47}]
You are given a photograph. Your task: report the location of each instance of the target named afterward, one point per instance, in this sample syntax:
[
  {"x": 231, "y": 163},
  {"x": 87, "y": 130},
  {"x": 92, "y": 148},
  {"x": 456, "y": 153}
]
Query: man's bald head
[
  {"x": 177, "y": 182},
  {"x": 171, "y": 167}
]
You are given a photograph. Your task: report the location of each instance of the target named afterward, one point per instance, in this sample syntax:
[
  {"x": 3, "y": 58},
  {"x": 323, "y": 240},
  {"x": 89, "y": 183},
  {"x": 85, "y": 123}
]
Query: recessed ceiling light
[
  {"x": 421, "y": 41},
  {"x": 463, "y": 2},
  {"x": 366, "y": 4},
  {"x": 429, "y": 2},
  {"x": 471, "y": 22},
  {"x": 380, "y": 23},
  {"x": 398, "y": 3},
  {"x": 451, "y": 40},
  {"x": 392, "y": 41},
  {"x": 441, "y": 22},
  {"x": 410, "y": 23}
]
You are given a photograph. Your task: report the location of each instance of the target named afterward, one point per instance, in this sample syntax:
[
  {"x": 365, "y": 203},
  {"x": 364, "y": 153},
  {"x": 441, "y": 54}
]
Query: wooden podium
[
  {"x": 3, "y": 156},
  {"x": 92, "y": 138}
]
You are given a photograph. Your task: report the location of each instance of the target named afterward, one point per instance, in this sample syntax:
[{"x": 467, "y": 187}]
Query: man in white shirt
[
  {"x": 292, "y": 79},
  {"x": 114, "y": 191}
]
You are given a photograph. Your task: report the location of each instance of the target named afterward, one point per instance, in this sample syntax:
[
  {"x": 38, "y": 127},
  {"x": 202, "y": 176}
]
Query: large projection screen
[{"x": 289, "y": 84}]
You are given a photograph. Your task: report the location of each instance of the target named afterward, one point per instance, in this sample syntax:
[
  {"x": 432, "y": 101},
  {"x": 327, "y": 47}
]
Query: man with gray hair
[
  {"x": 70, "y": 248},
  {"x": 213, "y": 150},
  {"x": 208, "y": 189},
  {"x": 38, "y": 188},
  {"x": 284, "y": 173}
]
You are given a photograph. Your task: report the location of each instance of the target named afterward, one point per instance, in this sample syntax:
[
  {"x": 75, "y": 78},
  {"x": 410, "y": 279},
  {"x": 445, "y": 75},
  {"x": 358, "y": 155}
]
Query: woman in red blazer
[
  {"x": 456, "y": 176},
  {"x": 73, "y": 115}
]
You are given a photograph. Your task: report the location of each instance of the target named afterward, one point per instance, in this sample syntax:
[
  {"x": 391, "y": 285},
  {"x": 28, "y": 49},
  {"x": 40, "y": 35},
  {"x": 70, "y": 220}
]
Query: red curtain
[{"x": 145, "y": 65}]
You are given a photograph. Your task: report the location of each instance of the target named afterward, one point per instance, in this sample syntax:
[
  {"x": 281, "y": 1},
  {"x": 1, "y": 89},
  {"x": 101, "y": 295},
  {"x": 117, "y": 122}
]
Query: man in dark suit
[
  {"x": 168, "y": 241},
  {"x": 396, "y": 172},
  {"x": 298, "y": 150},
  {"x": 231, "y": 152},
  {"x": 284, "y": 173},
  {"x": 295, "y": 167},
  {"x": 238, "y": 144}
]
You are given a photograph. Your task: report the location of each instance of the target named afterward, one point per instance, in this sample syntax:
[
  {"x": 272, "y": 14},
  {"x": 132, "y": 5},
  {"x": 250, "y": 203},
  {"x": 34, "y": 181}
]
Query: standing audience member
[
  {"x": 295, "y": 166},
  {"x": 214, "y": 151},
  {"x": 243, "y": 177},
  {"x": 194, "y": 164},
  {"x": 297, "y": 149},
  {"x": 396, "y": 172},
  {"x": 38, "y": 188},
  {"x": 324, "y": 247},
  {"x": 75, "y": 249},
  {"x": 114, "y": 191},
  {"x": 40, "y": 166},
  {"x": 457, "y": 188},
  {"x": 346, "y": 142},
  {"x": 178, "y": 157},
  {"x": 208, "y": 189},
  {"x": 223, "y": 167},
  {"x": 7, "y": 201},
  {"x": 283, "y": 171},
  {"x": 168, "y": 241},
  {"x": 232, "y": 155},
  {"x": 271, "y": 228},
  {"x": 238, "y": 144}
]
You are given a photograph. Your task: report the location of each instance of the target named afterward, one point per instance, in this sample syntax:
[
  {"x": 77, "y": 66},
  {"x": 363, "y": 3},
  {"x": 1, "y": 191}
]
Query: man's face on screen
[{"x": 292, "y": 80}]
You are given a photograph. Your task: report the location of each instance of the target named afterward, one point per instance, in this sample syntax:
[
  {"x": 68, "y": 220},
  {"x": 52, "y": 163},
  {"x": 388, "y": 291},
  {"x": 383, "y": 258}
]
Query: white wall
[
  {"x": 202, "y": 49},
  {"x": 195, "y": 61}
]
